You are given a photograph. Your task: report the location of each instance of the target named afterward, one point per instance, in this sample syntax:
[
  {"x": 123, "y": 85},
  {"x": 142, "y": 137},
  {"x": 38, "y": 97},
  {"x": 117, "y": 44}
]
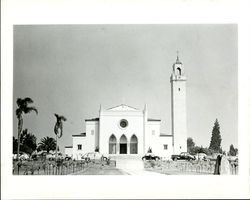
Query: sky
[{"x": 72, "y": 69}]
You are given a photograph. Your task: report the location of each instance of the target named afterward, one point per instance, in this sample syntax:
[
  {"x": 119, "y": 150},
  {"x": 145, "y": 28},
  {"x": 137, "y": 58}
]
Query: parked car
[
  {"x": 22, "y": 156},
  {"x": 93, "y": 156},
  {"x": 68, "y": 157},
  {"x": 183, "y": 156},
  {"x": 150, "y": 156}
]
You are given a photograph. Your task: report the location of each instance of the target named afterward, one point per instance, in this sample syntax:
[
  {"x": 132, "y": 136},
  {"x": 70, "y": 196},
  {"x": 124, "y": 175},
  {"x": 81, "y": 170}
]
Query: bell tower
[{"x": 178, "y": 107}]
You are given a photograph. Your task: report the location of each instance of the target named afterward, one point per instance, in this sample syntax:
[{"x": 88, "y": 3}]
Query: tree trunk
[
  {"x": 56, "y": 146},
  {"x": 20, "y": 127}
]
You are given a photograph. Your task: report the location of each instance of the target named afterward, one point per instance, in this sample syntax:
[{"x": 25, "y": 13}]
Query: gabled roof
[{"x": 123, "y": 107}]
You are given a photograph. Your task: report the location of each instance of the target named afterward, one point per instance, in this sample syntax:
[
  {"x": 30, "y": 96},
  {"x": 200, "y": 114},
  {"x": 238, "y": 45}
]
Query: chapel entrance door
[
  {"x": 123, "y": 148},
  {"x": 123, "y": 145}
]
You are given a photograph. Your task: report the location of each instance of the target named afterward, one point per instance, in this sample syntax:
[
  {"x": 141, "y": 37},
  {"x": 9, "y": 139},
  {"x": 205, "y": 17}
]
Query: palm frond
[
  {"x": 63, "y": 118},
  {"x": 59, "y": 118},
  {"x": 30, "y": 109},
  {"x": 56, "y": 115},
  {"x": 19, "y": 102},
  {"x": 28, "y": 100}
]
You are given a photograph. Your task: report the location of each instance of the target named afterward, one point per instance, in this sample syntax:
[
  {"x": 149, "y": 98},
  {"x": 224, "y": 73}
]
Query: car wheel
[{"x": 143, "y": 158}]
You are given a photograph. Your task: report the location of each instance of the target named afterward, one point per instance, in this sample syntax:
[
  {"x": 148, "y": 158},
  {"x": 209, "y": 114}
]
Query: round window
[{"x": 123, "y": 123}]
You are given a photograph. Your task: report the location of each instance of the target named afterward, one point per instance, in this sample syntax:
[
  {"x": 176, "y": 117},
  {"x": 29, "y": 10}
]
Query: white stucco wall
[
  {"x": 152, "y": 136},
  {"x": 165, "y": 153},
  {"x": 92, "y": 136},
  {"x": 147, "y": 131},
  {"x": 68, "y": 151},
  {"x": 110, "y": 124},
  {"x": 79, "y": 140}
]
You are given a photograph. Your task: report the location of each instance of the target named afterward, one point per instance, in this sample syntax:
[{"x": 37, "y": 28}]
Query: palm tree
[
  {"x": 47, "y": 144},
  {"x": 23, "y": 108},
  {"x": 59, "y": 127}
]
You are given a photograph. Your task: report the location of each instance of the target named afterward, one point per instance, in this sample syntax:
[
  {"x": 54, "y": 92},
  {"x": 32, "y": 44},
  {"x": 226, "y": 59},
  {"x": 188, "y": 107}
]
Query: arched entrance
[
  {"x": 133, "y": 145},
  {"x": 112, "y": 144},
  {"x": 123, "y": 145}
]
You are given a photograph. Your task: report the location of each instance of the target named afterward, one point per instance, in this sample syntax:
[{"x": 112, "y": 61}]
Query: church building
[{"x": 125, "y": 130}]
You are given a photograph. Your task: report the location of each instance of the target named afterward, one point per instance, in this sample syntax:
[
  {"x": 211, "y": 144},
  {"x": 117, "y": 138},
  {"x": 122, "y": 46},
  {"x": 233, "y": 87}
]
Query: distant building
[{"x": 126, "y": 130}]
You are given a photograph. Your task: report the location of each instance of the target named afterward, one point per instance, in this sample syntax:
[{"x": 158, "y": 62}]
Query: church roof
[
  {"x": 153, "y": 120},
  {"x": 79, "y": 135},
  {"x": 123, "y": 107}
]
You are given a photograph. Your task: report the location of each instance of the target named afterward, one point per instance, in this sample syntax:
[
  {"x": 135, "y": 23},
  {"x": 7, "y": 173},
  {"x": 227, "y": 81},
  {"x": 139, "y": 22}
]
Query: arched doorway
[
  {"x": 133, "y": 145},
  {"x": 112, "y": 144},
  {"x": 123, "y": 145}
]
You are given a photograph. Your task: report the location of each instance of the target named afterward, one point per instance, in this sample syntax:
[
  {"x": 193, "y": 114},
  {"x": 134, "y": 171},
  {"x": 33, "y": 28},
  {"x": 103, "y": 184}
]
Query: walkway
[{"x": 133, "y": 165}]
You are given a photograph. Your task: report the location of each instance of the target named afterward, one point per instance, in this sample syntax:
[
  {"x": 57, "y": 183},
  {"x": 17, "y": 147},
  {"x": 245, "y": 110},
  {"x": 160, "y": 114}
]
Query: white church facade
[{"x": 125, "y": 130}]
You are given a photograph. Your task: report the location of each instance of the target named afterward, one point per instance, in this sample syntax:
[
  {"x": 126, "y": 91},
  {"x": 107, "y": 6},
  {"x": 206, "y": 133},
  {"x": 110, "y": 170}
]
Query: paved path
[{"x": 133, "y": 166}]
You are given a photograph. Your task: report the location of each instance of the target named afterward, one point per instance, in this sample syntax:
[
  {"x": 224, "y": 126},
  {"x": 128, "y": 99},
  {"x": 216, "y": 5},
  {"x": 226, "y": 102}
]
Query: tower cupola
[{"x": 178, "y": 72}]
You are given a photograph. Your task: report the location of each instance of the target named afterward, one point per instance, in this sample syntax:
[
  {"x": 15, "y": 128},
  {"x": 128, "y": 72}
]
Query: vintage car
[
  {"x": 183, "y": 156},
  {"x": 93, "y": 156},
  {"x": 150, "y": 156}
]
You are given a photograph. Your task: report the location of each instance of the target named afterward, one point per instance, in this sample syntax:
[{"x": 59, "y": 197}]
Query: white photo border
[{"x": 125, "y": 12}]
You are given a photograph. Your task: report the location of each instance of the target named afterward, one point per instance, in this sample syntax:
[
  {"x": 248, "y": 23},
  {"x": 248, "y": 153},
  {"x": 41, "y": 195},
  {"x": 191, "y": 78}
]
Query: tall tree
[
  {"x": 232, "y": 150},
  {"x": 190, "y": 144},
  {"x": 58, "y": 129},
  {"x": 23, "y": 108},
  {"x": 47, "y": 144},
  {"x": 215, "y": 143}
]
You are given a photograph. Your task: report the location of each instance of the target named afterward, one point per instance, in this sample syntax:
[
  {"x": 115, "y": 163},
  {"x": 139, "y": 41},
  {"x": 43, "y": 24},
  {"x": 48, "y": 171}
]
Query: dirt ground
[{"x": 97, "y": 169}]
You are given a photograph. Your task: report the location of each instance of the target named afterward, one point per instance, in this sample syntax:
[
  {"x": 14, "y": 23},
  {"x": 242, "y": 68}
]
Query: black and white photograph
[
  {"x": 101, "y": 102},
  {"x": 125, "y": 100}
]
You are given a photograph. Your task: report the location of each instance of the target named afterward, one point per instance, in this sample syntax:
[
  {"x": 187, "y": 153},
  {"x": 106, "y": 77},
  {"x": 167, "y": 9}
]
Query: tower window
[
  {"x": 165, "y": 146},
  {"x": 92, "y": 132},
  {"x": 179, "y": 71},
  {"x": 179, "y": 89}
]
